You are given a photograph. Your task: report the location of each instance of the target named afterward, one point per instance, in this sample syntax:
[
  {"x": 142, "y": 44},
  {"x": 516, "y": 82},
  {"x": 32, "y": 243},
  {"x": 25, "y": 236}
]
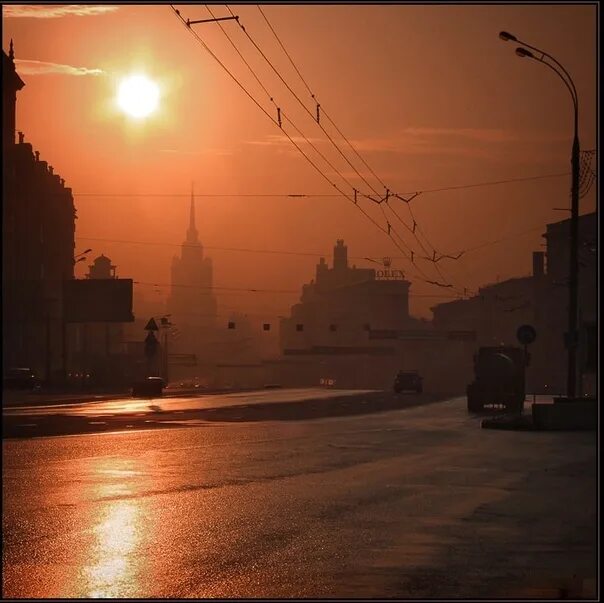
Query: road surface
[
  {"x": 168, "y": 404},
  {"x": 418, "y": 502},
  {"x": 75, "y": 417}
]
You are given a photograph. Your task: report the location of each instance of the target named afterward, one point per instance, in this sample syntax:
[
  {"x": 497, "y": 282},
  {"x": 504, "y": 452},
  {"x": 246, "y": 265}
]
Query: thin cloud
[
  {"x": 54, "y": 12},
  {"x": 453, "y": 141},
  {"x": 31, "y": 67},
  {"x": 279, "y": 140},
  {"x": 480, "y": 134},
  {"x": 220, "y": 152}
]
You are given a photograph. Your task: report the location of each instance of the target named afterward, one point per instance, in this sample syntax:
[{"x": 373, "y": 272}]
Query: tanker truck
[{"x": 499, "y": 379}]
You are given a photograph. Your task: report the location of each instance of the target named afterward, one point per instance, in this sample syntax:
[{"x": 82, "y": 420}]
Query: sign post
[
  {"x": 526, "y": 334},
  {"x": 151, "y": 345}
]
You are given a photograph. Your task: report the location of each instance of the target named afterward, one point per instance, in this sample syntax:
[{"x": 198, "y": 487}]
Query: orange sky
[{"x": 429, "y": 96}]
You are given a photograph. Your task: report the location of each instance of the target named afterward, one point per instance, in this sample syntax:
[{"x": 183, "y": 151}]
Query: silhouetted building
[
  {"x": 330, "y": 333},
  {"x": 98, "y": 354},
  {"x": 540, "y": 300},
  {"x": 38, "y": 246},
  {"x": 550, "y": 354},
  {"x": 192, "y": 301},
  {"x": 102, "y": 268},
  {"x": 192, "y": 304}
]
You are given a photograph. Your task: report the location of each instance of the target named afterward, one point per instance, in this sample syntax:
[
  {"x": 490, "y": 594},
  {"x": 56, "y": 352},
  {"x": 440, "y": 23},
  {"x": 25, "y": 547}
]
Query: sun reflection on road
[{"x": 113, "y": 571}]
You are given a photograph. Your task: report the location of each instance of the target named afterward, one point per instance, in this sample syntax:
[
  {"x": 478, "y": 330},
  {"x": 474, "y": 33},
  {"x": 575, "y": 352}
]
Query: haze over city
[
  {"x": 427, "y": 94},
  {"x": 300, "y": 301}
]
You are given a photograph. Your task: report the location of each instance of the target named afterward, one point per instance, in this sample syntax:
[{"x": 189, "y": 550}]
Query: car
[
  {"x": 150, "y": 387},
  {"x": 408, "y": 381},
  {"x": 20, "y": 378}
]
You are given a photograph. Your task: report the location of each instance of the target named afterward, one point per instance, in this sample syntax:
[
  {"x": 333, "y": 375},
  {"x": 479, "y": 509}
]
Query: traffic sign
[
  {"x": 152, "y": 325},
  {"x": 526, "y": 334}
]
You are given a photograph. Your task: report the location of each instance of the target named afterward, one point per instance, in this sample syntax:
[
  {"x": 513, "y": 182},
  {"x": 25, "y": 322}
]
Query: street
[{"x": 415, "y": 502}]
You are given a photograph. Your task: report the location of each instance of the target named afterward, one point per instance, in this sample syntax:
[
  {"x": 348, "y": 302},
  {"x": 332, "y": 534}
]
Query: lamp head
[
  {"x": 523, "y": 52},
  {"x": 506, "y": 36}
]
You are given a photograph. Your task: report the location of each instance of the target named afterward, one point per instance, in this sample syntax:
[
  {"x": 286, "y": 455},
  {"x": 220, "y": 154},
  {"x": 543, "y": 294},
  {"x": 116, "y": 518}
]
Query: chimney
[
  {"x": 538, "y": 264},
  {"x": 37, "y": 155},
  {"x": 21, "y": 137}
]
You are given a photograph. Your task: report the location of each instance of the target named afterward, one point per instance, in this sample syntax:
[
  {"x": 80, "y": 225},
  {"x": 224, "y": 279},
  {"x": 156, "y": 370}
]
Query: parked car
[
  {"x": 20, "y": 378},
  {"x": 408, "y": 381},
  {"x": 150, "y": 387}
]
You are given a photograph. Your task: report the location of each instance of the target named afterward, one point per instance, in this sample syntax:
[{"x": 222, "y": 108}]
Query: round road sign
[{"x": 526, "y": 334}]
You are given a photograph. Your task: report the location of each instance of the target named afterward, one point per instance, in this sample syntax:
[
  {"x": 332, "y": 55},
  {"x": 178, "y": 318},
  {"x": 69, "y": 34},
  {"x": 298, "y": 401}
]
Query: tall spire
[
  {"x": 192, "y": 235},
  {"x": 11, "y": 50}
]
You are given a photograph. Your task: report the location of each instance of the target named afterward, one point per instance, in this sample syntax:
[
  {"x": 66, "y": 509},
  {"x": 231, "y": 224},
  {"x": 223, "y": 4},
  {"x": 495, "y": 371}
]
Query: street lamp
[{"x": 560, "y": 71}]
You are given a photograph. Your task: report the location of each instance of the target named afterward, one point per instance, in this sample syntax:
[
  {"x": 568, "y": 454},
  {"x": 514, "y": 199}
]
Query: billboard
[{"x": 98, "y": 300}]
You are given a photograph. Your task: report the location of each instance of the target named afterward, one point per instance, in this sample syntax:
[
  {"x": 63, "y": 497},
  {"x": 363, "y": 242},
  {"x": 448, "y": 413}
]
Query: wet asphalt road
[
  {"x": 418, "y": 502},
  {"x": 131, "y": 405},
  {"x": 94, "y": 416}
]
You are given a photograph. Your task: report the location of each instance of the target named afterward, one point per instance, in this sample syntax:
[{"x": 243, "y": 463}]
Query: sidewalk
[
  {"x": 19, "y": 398},
  {"x": 12, "y": 399}
]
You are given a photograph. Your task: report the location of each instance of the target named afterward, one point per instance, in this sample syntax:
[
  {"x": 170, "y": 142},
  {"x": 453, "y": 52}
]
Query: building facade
[
  {"x": 540, "y": 300},
  {"x": 38, "y": 247},
  {"x": 333, "y": 333}
]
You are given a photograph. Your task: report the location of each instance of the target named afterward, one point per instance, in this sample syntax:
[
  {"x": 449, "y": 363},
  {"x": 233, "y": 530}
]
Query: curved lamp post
[{"x": 572, "y": 337}]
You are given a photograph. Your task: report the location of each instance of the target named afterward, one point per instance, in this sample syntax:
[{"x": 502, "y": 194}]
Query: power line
[
  {"x": 316, "y": 100},
  {"x": 315, "y": 195},
  {"x": 301, "y": 103},
  {"x": 323, "y": 175},
  {"x": 299, "y": 253},
  {"x": 415, "y": 224},
  {"x": 207, "y": 48},
  {"x": 388, "y": 232},
  {"x": 272, "y": 100},
  {"x": 289, "y": 120},
  {"x": 258, "y": 290},
  {"x": 218, "y": 288},
  {"x": 492, "y": 183}
]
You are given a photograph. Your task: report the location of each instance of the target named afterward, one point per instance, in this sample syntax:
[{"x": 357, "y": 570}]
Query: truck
[{"x": 499, "y": 379}]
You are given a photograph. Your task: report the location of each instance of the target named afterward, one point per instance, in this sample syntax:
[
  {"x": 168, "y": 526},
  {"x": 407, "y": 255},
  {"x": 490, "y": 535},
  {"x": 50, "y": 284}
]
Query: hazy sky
[{"x": 428, "y": 95}]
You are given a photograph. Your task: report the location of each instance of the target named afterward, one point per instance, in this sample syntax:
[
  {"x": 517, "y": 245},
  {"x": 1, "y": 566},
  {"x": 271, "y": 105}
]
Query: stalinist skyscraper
[{"x": 192, "y": 302}]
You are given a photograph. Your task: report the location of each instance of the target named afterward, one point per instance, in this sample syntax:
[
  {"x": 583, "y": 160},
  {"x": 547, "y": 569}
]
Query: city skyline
[{"x": 413, "y": 137}]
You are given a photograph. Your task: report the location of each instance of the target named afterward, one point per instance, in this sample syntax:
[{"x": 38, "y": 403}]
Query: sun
[{"x": 138, "y": 96}]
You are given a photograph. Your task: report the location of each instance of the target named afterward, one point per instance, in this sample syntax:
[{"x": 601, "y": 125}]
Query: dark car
[
  {"x": 408, "y": 381},
  {"x": 150, "y": 387},
  {"x": 20, "y": 378}
]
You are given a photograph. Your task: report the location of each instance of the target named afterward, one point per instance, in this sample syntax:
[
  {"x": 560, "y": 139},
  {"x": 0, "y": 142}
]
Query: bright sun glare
[{"x": 138, "y": 96}]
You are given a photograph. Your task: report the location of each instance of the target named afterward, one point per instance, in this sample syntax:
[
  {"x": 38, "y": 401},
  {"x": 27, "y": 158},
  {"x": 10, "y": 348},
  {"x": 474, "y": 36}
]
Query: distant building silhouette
[
  {"x": 330, "y": 332},
  {"x": 192, "y": 304},
  {"x": 38, "y": 246},
  {"x": 101, "y": 268},
  {"x": 192, "y": 300}
]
